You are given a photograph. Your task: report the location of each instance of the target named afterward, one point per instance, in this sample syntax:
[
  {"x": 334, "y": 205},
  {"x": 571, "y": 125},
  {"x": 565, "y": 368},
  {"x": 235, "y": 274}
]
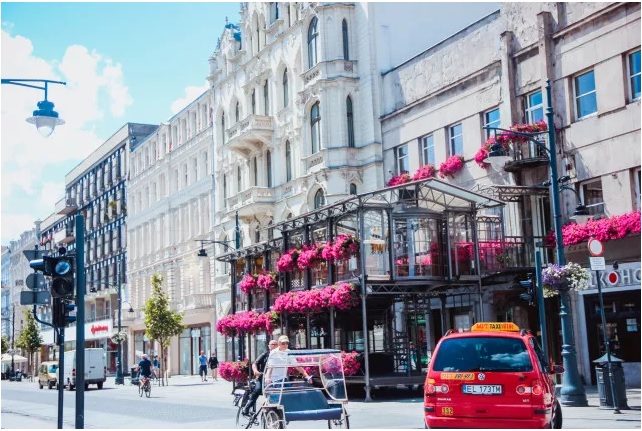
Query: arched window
[
  {"x": 319, "y": 199},
  {"x": 253, "y": 102},
  {"x": 312, "y": 43},
  {"x": 223, "y": 127},
  {"x": 268, "y": 162},
  {"x": 255, "y": 169},
  {"x": 225, "y": 191},
  {"x": 286, "y": 90},
  {"x": 266, "y": 99},
  {"x": 315, "y": 127},
  {"x": 257, "y": 234},
  {"x": 239, "y": 182},
  {"x": 344, "y": 30},
  {"x": 353, "y": 189},
  {"x": 237, "y": 112},
  {"x": 350, "y": 120},
  {"x": 288, "y": 161}
]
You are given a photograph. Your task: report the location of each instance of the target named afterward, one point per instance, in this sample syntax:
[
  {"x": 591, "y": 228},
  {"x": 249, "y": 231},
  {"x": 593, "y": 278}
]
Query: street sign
[
  {"x": 597, "y": 263},
  {"x": 35, "y": 281},
  {"x": 42, "y": 297},
  {"x": 595, "y": 247},
  {"x": 33, "y": 254}
]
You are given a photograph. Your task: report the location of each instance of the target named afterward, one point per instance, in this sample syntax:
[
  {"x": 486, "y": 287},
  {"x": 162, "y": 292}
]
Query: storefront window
[
  {"x": 416, "y": 247},
  {"x": 349, "y": 268},
  {"x": 462, "y": 247},
  {"x": 192, "y": 341},
  {"x": 376, "y": 237}
]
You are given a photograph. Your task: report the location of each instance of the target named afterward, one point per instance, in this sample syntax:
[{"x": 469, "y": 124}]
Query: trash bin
[
  {"x": 134, "y": 374},
  {"x": 604, "y": 382}
]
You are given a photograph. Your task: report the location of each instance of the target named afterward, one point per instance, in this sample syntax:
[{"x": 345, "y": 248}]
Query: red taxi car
[{"x": 494, "y": 376}]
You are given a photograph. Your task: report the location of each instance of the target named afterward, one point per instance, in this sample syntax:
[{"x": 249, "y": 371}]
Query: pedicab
[{"x": 294, "y": 399}]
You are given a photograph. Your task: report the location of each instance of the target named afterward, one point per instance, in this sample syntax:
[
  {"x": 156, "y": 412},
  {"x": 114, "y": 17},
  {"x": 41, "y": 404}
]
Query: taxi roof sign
[{"x": 495, "y": 326}]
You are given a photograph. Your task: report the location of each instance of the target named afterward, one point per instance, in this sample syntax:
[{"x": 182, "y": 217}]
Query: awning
[{"x": 17, "y": 359}]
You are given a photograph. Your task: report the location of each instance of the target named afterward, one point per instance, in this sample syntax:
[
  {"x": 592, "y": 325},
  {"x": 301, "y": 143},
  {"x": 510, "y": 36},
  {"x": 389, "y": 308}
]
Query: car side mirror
[{"x": 558, "y": 369}]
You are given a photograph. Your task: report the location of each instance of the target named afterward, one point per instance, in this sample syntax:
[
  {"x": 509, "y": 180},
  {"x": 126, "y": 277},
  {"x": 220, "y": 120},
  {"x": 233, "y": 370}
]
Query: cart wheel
[
  {"x": 342, "y": 422},
  {"x": 140, "y": 390},
  {"x": 272, "y": 419},
  {"x": 243, "y": 421}
]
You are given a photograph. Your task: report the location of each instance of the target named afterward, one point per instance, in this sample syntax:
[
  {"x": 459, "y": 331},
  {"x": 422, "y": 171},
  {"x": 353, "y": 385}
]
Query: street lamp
[
  {"x": 45, "y": 118},
  {"x": 572, "y": 390}
]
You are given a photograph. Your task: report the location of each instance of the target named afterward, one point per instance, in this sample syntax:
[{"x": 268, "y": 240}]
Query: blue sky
[{"x": 123, "y": 62}]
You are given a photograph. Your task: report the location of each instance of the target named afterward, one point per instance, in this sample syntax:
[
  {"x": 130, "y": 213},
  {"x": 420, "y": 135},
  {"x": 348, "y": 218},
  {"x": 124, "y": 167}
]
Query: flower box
[{"x": 451, "y": 166}]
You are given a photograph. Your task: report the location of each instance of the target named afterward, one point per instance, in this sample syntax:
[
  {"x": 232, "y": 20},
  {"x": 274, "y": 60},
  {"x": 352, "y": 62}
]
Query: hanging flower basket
[
  {"x": 248, "y": 283},
  {"x": 556, "y": 278},
  {"x": 119, "y": 337},
  {"x": 309, "y": 256},
  {"x": 236, "y": 371},
  {"x": 345, "y": 246},
  {"x": 342, "y": 296},
  {"x": 247, "y": 322},
  {"x": 451, "y": 166},
  {"x": 287, "y": 262},
  {"x": 267, "y": 280}
]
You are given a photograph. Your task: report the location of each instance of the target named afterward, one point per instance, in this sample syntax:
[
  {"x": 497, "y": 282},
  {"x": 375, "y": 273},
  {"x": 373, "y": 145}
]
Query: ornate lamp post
[
  {"x": 572, "y": 391},
  {"x": 45, "y": 118}
]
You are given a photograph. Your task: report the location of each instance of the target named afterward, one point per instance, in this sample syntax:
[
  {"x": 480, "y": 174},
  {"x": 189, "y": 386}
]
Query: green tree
[
  {"x": 30, "y": 339},
  {"x": 5, "y": 344},
  {"x": 161, "y": 323}
]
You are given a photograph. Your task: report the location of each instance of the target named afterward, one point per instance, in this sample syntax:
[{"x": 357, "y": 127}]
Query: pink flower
[
  {"x": 342, "y": 296},
  {"x": 398, "y": 180},
  {"x": 246, "y": 322},
  {"x": 308, "y": 257},
  {"x": 234, "y": 371},
  {"x": 345, "y": 246},
  {"x": 247, "y": 284},
  {"x": 615, "y": 227},
  {"x": 480, "y": 156},
  {"x": 426, "y": 171},
  {"x": 287, "y": 262},
  {"x": 266, "y": 280},
  {"x": 451, "y": 166}
]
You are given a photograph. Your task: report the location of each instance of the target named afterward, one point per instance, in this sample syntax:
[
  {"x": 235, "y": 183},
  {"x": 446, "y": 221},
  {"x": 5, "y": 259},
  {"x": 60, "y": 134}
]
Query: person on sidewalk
[
  {"x": 202, "y": 369},
  {"x": 213, "y": 363},
  {"x": 258, "y": 367}
]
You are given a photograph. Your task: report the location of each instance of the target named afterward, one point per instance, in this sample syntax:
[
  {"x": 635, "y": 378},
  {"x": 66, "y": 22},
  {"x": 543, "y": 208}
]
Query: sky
[{"x": 123, "y": 62}]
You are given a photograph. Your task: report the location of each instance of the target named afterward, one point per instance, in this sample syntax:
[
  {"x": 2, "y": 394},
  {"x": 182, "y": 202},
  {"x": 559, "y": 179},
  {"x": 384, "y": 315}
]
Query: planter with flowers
[
  {"x": 399, "y": 179},
  {"x": 425, "y": 171},
  {"x": 342, "y": 296},
  {"x": 236, "y": 371},
  {"x": 309, "y": 256},
  {"x": 267, "y": 280},
  {"x": 451, "y": 166},
  {"x": 345, "y": 246},
  {"x": 288, "y": 261},
  {"x": 571, "y": 276},
  {"x": 508, "y": 139},
  {"x": 248, "y": 283},
  {"x": 615, "y": 227},
  {"x": 247, "y": 322}
]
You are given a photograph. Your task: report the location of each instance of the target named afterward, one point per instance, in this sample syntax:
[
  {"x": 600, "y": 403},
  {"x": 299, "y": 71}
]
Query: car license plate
[
  {"x": 483, "y": 389},
  {"x": 447, "y": 411}
]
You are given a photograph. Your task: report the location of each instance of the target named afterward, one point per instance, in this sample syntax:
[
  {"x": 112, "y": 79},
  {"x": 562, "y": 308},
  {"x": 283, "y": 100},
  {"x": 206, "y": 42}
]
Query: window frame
[
  {"x": 402, "y": 159},
  {"x": 288, "y": 161},
  {"x": 315, "y": 128},
  {"x": 319, "y": 203},
  {"x": 630, "y": 76},
  {"x": 577, "y": 97},
  {"x": 350, "y": 122},
  {"x": 313, "y": 37},
  {"x": 452, "y": 137},
  {"x": 266, "y": 98},
  {"x": 268, "y": 165},
  {"x": 590, "y": 206},
  {"x": 346, "y": 45},
  {"x": 487, "y": 123},
  {"x": 425, "y": 149},
  {"x": 530, "y": 109},
  {"x": 638, "y": 187},
  {"x": 286, "y": 89}
]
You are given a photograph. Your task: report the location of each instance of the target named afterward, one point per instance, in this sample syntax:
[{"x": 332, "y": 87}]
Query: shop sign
[
  {"x": 98, "y": 328},
  {"x": 628, "y": 274}
]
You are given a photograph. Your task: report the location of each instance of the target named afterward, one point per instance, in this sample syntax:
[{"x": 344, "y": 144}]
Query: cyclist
[
  {"x": 258, "y": 367},
  {"x": 278, "y": 361},
  {"x": 145, "y": 366}
]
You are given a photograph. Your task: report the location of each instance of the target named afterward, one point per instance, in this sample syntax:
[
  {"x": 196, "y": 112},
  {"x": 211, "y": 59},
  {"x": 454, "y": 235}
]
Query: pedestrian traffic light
[
  {"x": 62, "y": 283},
  {"x": 529, "y": 285},
  {"x": 62, "y": 310}
]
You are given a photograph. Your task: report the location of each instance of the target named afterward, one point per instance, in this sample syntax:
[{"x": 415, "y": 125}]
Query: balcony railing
[
  {"x": 251, "y": 201},
  {"x": 528, "y": 154},
  {"x": 66, "y": 206},
  {"x": 250, "y": 134},
  {"x": 196, "y": 301}
]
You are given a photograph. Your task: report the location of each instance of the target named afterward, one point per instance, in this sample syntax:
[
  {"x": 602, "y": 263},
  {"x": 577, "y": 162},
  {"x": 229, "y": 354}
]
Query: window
[
  {"x": 255, "y": 171},
  {"x": 312, "y": 43},
  {"x": 315, "y": 127},
  {"x": 491, "y": 119},
  {"x": 319, "y": 199},
  {"x": 274, "y": 11},
  {"x": 585, "y": 95},
  {"x": 239, "y": 182},
  {"x": 288, "y": 161},
  {"x": 402, "y": 158},
  {"x": 353, "y": 189},
  {"x": 268, "y": 163},
  {"x": 638, "y": 190},
  {"x": 534, "y": 110},
  {"x": 286, "y": 90},
  {"x": 223, "y": 127},
  {"x": 350, "y": 119},
  {"x": 266, "y": 99},
  {"x": 456, "y": 139},
  {"x": 427, "y": 150},
  {"x": 592, "y": 197},
  {"x": 225, "y": 191},
  {"x": 253, "y": 102},
  {"x": 344, "y": 30},
  {"x": 237, "y": 113},
  {"x": 634, "y": 75}
]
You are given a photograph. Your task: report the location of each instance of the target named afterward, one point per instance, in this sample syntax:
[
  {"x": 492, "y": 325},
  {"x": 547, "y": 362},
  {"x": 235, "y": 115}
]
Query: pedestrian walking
[
  {"x": 156, "y": 364},
  {"x": 213, "y": 363},
  {"x": 202, "y": 370}
]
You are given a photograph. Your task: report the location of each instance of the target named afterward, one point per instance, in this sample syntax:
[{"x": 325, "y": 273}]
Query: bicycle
[
  {"x": 145, "y": 387},
  {"x": 240, "y": 400}
]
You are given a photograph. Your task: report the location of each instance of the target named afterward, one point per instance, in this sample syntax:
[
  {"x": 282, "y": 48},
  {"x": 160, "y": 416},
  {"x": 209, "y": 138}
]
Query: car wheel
[
  {"x": 100, "y": 385},
  {"x": 50, "y": 385},
  {"x": 40, "y": 385},
  {"x": 556, "y": 418}
]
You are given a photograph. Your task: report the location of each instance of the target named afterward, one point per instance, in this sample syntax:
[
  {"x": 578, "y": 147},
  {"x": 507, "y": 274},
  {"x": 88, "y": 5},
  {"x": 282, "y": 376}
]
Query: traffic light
[
  {"x": 62, "y": 282},
  {"x": 529, "y": 285},
  {"x": 62, "y": 310},
  {"x": 44, "y": 265}
]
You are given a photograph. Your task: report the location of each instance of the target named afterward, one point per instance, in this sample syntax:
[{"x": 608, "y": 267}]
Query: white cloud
[
  {"x": 191, "y": 93},
  {"x": 31, "y": 164}
]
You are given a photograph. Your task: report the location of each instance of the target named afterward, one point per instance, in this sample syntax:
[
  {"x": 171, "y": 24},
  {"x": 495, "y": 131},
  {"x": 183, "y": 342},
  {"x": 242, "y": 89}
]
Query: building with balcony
[
  {"x": 494, "y": 73},
  {"x": 6, "y": 293},
  {"x": 170, "y": 208}
]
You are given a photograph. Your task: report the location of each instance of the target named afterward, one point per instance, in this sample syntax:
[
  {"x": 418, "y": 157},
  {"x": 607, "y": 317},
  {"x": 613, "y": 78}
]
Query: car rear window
[
  {"x": 53, "y": 368},
  {"x": 482, "y": 354}
]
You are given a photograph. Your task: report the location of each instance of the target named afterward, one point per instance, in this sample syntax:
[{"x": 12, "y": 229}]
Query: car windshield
[
  {"x": 53, "y": 368},
  {"x": 482, "y": 354}
]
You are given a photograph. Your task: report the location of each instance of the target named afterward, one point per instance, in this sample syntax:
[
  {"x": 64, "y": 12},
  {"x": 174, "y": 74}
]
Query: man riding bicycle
[
  {"x": 258, "y": 367},
  {"x": 145, "y": 366}
]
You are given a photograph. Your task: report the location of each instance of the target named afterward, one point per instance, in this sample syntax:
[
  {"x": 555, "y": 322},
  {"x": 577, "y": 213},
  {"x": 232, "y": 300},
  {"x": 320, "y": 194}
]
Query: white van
[{"x": 95, "y": 368}]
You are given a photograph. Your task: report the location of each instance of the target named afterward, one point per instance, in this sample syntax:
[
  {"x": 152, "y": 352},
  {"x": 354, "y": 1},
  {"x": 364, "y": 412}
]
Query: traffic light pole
[
  {"x": 80, "y": 321},
  {"x": 61, "y": 374},
  {"x": 539, "y": 289}
]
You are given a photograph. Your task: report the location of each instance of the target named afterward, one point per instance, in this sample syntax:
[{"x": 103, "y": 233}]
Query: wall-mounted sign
[
  {"x": 98, "y": 328},
  {"x": 628, "y": 274}
]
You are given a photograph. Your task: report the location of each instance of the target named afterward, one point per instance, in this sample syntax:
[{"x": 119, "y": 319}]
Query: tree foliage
[
  {"x": 30, "y": 339},
  {"x": 5, "y": 344},
  {"x": 161, "y": 323}
]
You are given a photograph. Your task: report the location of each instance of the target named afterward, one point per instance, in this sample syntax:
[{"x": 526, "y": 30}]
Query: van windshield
[
  {"x": 53, "y": 368},
  {"x": 483, "y": 354}
]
